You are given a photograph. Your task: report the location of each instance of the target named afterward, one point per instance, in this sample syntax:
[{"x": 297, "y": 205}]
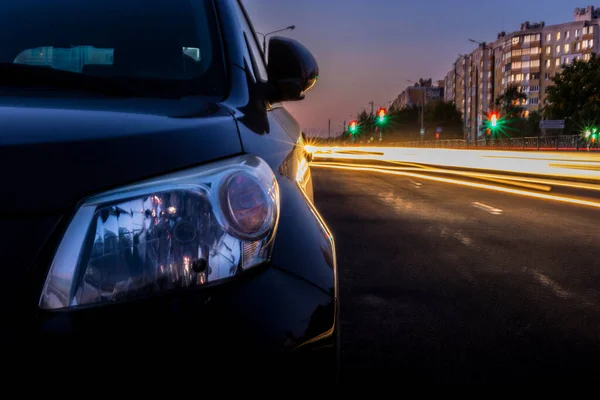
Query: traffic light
[
  {"x": 494, "y": 120},
  {"x": 381, "y": 113},
  {"x": 437, "y": 136},
  {"x": 353, "y": 127}
]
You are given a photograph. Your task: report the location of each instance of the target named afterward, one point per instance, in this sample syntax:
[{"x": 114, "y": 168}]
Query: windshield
[{"x": 165, "y": 47}]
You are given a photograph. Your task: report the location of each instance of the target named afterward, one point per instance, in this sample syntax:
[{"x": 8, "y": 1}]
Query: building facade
[
  {"x": 422, "y": 91},
  {"x": 527, "y": 58}
]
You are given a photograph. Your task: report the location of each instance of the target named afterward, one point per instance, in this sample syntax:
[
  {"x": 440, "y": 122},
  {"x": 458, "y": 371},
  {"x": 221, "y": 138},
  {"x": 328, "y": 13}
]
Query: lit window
[
  {"x": 567, "y": 48},
  {"x": 567, "y": 61},
  {"x": 557, "y": 35},
  {"x": 577, "y": 32},
  {"x": 567, "y": 34},
  {"x": 548, "y": 50},
  {"x": 577, "y": 46},
  {"x": 557, "y": 49},
  {"x": 591, "y": 43},
  {"x": 515, "y": 40},
  {"x": 586, "y": 57},
  {"x": 585, "y": 44},
  {"x": 557, "y": 62},
  {"x": 547, "y": 63},
  {"x": 535, "y": 63},
  {"x": 548, "y": 37}
]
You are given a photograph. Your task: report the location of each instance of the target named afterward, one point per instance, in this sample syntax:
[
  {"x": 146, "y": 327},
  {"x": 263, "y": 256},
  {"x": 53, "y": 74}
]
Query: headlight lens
[{"x": 179, "y": 231}]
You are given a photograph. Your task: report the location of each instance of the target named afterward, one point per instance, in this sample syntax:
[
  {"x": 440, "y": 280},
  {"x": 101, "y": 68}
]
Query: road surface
[{"x": 442, "y": 283}]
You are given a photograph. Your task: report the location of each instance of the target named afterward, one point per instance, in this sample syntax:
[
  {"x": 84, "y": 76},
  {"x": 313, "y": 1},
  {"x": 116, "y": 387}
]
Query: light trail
[
  {"x": 569, "y": 165},
  {"x": 487, "y": 176},
  {"x": 562, "y": 199}
]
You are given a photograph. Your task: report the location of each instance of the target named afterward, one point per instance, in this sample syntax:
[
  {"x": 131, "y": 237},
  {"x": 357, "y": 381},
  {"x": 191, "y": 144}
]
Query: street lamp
[
  {"x": 465, "y": 76},
  {"x": 265, "y": 35},
  {"x": 422, "y": 132},
  {"x": 484, "y": 95}
]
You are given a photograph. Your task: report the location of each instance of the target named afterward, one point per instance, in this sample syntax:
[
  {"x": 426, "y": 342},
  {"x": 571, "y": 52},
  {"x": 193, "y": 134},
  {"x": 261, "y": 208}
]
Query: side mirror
[{"x": 292, "y": 70}]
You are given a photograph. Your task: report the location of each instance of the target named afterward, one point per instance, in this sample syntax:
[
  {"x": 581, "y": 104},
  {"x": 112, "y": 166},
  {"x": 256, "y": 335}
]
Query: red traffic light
[
  {"x": 381, "y": 113},
  {"x": 353, "y": 126},
  {"x": 494, "y": 119}
]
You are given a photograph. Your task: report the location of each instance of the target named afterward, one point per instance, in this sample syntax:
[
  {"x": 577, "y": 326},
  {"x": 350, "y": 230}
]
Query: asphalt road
[{"x": 447, "y": 284}]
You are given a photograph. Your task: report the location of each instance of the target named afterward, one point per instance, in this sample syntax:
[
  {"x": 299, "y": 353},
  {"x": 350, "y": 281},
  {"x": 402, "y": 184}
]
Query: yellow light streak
[
  {"x": 565, "y": 164},
  {"x": 562, "y": 199},
  {"x": 481, "y": 175}
]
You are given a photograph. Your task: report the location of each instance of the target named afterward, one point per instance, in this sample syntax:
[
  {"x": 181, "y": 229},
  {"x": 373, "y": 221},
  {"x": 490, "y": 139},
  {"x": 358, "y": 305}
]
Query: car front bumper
[{"x": 267, "y": 316}]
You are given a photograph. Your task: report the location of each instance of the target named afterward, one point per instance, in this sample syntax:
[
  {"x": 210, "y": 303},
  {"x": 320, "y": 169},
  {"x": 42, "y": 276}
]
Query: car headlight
[{"x": 178, "y": 231}]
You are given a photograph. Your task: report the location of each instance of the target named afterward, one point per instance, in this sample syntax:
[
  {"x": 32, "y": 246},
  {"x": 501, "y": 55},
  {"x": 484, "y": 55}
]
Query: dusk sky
[{"x": 368, "y": 49}]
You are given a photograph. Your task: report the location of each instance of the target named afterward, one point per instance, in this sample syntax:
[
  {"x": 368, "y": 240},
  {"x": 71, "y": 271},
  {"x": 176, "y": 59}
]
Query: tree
[
  {"x": 510, "y": 103},
  {"x": 442, "y": 111},
  {"x": 364, "y": 121},
  {"x": 510, "y": 106},
  {"x": 575, "y": 94},
  {"x": 533, "y": 123}
]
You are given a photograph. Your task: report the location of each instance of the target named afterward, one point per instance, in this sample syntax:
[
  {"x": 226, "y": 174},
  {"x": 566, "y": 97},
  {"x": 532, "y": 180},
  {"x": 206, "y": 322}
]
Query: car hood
[{"x": 53, "y": 158}]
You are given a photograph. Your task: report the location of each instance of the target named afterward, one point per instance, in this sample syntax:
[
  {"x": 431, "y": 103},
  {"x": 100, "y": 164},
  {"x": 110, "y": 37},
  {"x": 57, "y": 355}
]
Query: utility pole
[
  {"x": 329, "y": 129},
  {"x": 465, "y": 88},
  {"x": 423, "y": 88},
  {"x": 372, "y": 107},
  {"x": 475, "y": 126}
]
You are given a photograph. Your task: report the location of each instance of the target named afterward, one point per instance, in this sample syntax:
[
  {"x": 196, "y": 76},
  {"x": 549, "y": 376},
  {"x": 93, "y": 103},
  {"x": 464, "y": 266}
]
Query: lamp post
[
  {"x": 422, "y": 132},
  {"x": 465, "y": 90},
  {"x": 484, "y": 92},
  {"x": 265, "y": 35}
]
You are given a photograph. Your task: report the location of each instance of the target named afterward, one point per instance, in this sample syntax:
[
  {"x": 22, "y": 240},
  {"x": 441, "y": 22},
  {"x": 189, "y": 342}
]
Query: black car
[{"x": 157, "y": 201}]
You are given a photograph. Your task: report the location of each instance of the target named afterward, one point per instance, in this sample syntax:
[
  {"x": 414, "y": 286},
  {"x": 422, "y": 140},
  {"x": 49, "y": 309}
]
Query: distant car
[{"x": 156, "y": 196}]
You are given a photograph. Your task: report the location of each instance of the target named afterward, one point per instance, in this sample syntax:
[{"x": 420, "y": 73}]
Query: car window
[
  {"x": 256, "y": 53},
  {"x": 160, "y": 40}
]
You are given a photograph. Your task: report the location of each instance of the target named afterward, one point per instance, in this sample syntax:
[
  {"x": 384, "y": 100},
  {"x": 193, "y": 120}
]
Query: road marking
[
  {"x": 415, "y": 184},
  {"x": 485, "y": 207}
]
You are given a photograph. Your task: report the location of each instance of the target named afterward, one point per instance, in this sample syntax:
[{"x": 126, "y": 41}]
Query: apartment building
[
  {"x": 424, "y": 90},
  {"x": 527, "y": 58}
]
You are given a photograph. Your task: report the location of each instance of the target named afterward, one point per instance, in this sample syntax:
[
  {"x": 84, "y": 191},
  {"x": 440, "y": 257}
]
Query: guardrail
[{"x": 544, "y": 143}]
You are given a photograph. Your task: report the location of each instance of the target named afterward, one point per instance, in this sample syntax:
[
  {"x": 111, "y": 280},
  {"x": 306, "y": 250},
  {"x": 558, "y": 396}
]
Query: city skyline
[{"x": 370, "y": 58}]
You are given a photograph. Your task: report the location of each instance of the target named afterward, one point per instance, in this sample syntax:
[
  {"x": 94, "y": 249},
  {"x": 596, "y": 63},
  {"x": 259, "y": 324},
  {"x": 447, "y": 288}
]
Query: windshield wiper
[{"x": 43, "y": 77}]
